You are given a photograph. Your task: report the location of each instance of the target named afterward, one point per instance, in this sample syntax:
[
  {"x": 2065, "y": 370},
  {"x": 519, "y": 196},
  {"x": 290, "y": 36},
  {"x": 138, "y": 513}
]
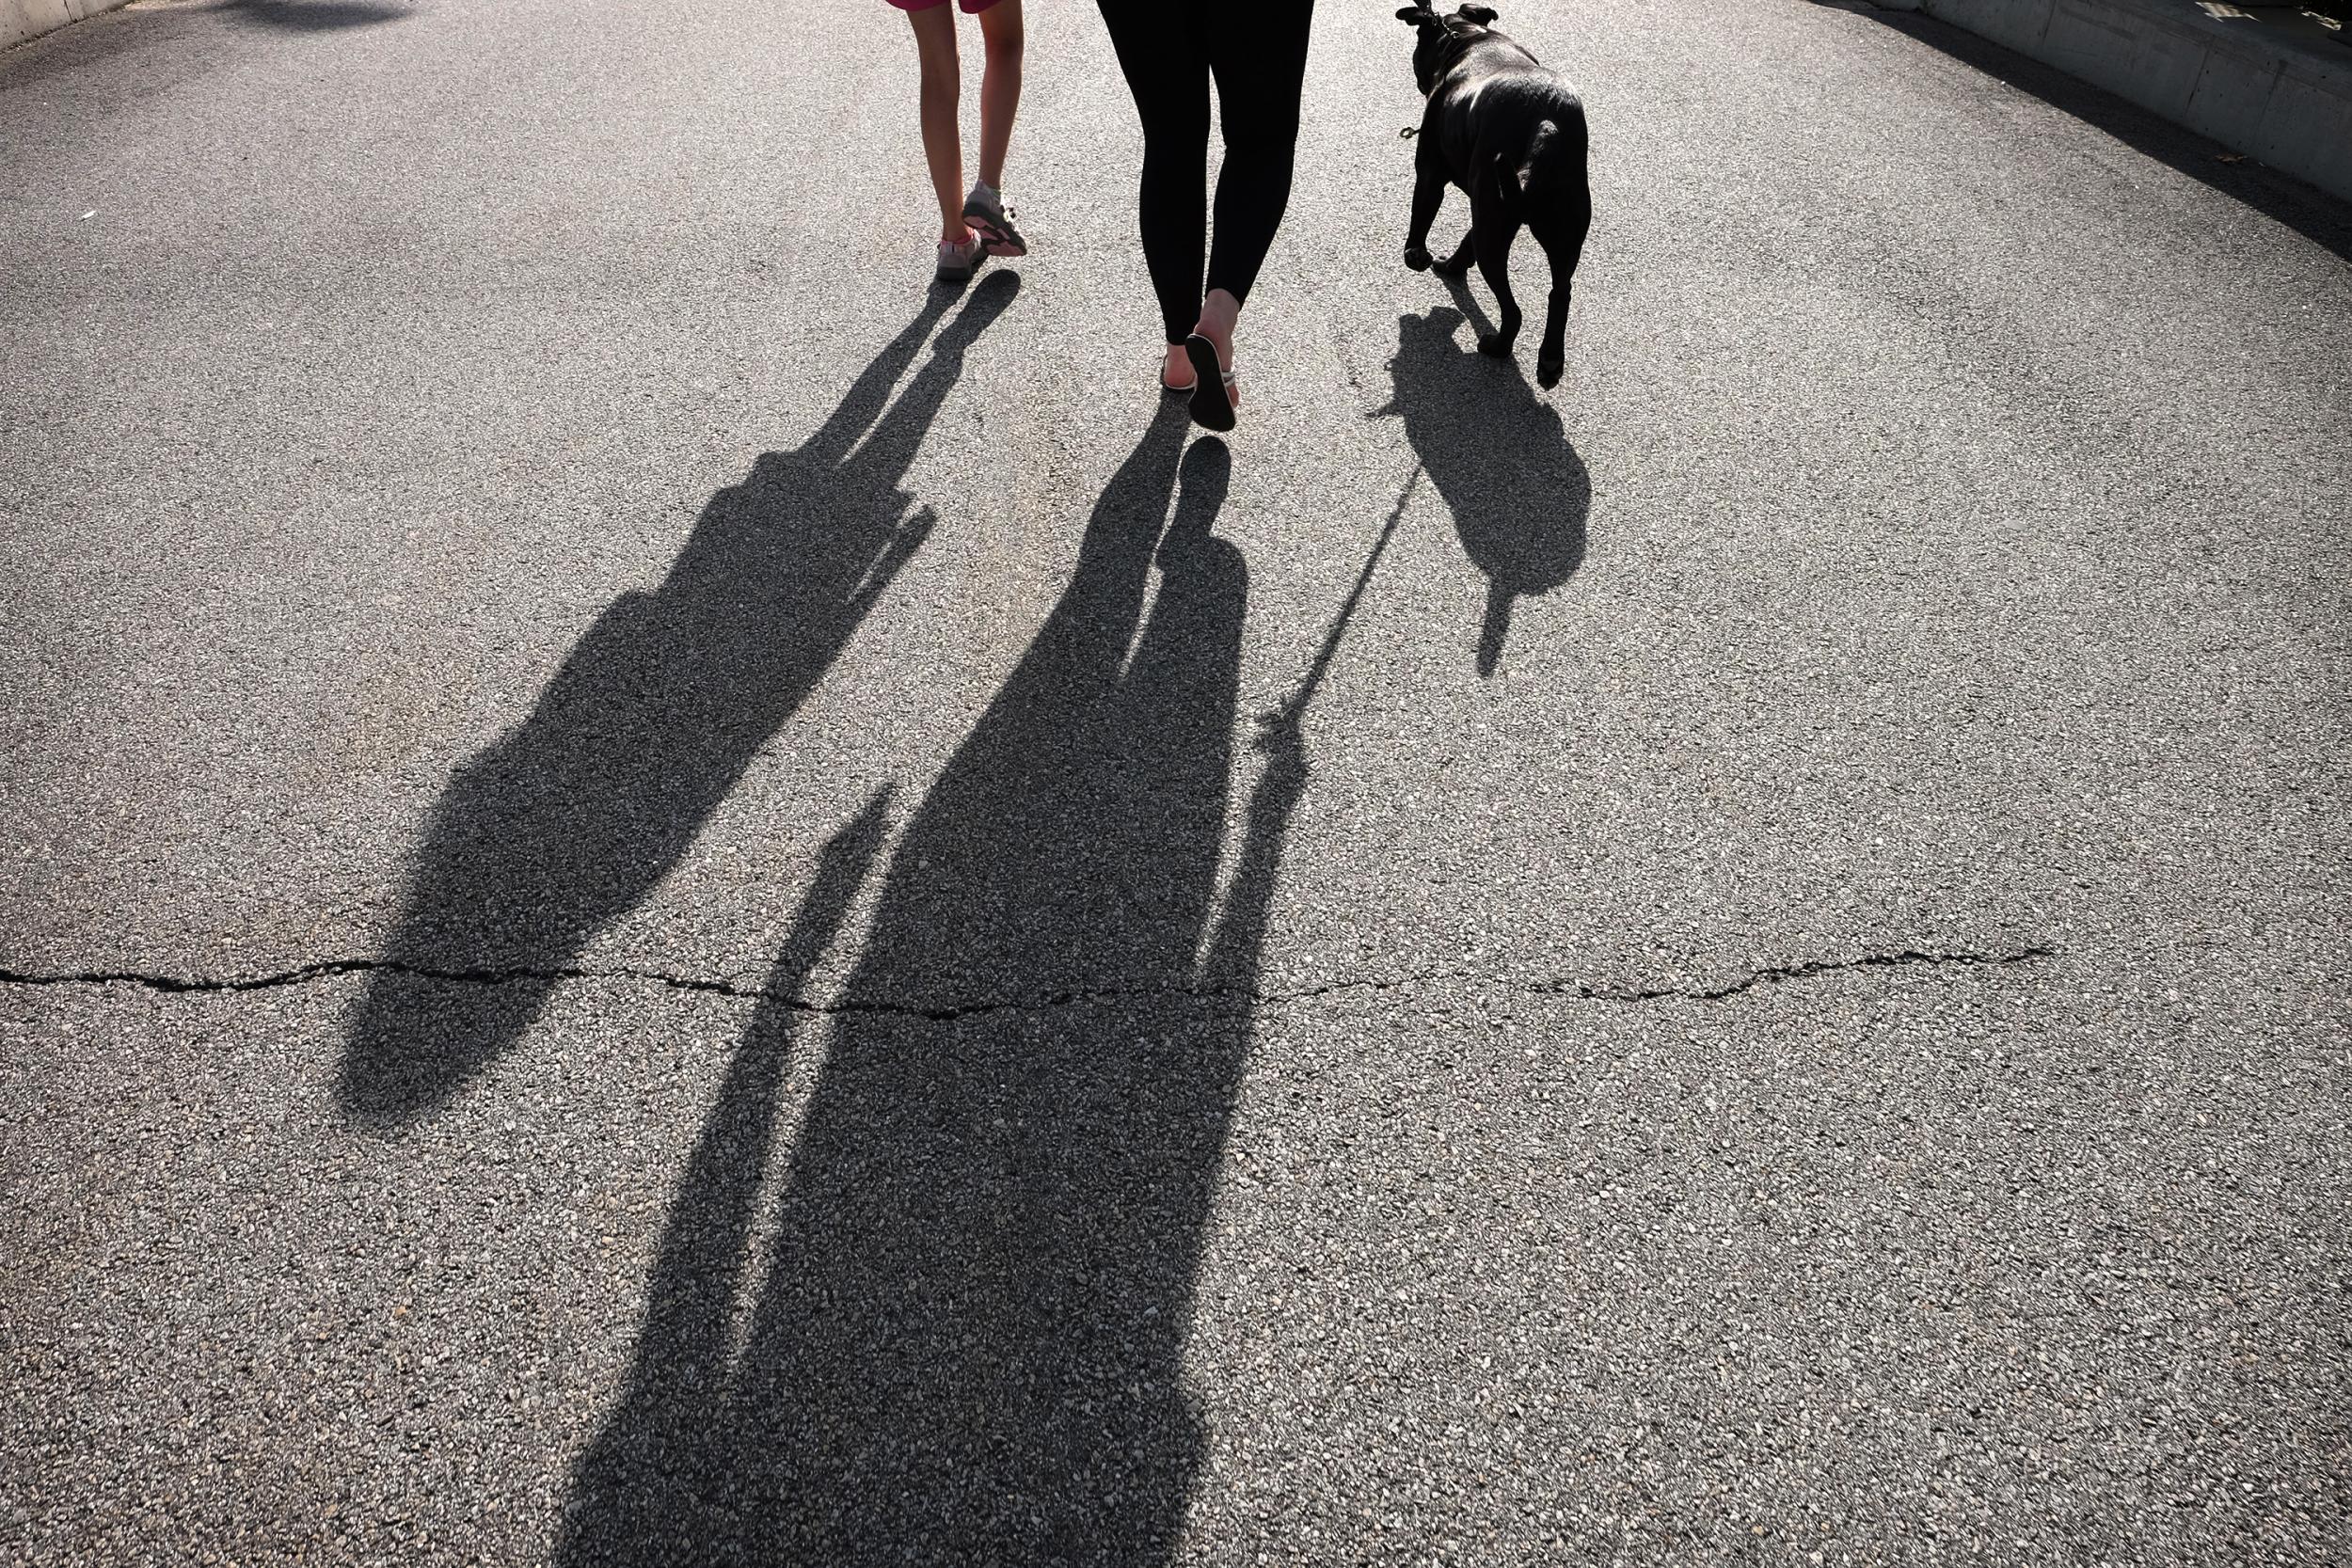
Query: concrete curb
[
  {"x": 2252, "y": 87},
  {"x": 28, "y": 19}
]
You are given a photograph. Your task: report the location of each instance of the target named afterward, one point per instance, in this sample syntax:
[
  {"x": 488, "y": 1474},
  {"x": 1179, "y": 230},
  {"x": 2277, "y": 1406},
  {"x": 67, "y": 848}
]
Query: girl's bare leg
[
  {"x": 1000, "y": 86},
  {"x": 943, "y": 90}
]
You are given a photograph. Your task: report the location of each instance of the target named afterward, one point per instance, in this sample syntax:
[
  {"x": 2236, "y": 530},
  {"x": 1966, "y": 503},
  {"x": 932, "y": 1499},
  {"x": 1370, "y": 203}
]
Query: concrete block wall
[
  {"x": 2256, "y": 88},
  {"x": 26, "y": 19}
]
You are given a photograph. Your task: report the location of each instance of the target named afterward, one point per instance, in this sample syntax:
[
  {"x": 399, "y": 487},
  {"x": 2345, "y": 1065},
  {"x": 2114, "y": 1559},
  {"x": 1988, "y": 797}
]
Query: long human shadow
[
  {"x": 963, "y": 1342},
  {"x": 570, "y": 819},
  {"x": 1501, "y": 461}
]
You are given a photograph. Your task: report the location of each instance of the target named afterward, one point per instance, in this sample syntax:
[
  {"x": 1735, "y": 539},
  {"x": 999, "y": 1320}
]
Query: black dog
[{"x": 1512, "y": 135}]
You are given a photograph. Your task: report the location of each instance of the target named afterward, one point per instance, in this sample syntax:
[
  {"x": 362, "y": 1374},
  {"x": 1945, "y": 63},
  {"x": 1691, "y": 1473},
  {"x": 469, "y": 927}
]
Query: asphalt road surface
[{"x": 668, "y": 898}]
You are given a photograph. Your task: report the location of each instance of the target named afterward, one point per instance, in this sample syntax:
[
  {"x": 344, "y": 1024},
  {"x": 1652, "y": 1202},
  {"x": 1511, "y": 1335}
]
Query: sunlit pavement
[{"x": 671, "y": 899}]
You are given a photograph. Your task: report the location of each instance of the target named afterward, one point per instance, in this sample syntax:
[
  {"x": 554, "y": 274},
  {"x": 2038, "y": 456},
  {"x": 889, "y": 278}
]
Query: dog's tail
[{"x": 1553, "y": 160}]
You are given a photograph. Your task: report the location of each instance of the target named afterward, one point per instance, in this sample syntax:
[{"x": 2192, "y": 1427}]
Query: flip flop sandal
[
  {"x": 1211, "y": 387},
  {"x": 1174, "y": 391}
]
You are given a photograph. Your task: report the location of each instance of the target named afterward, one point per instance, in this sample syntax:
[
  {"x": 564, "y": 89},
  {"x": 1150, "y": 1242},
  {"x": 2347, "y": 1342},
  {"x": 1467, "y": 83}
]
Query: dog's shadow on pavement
[
  {"x": 1499, "y": 459},
  {"x": 953, "y": 1329},
  {"x": 568, "y": 820}
]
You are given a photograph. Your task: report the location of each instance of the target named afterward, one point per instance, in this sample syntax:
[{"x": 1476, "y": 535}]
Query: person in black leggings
[{"x": 1257, "y": 51}]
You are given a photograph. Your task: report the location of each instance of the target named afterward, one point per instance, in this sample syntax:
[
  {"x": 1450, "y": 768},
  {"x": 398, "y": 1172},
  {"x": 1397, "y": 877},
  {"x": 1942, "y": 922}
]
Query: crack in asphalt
[
  {"x": 950, "y": 1012},
  {"x": 1805, "y": 971}
]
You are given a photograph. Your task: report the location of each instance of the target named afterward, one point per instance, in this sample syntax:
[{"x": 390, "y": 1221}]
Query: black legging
[{"x": 1256, "y": 50}]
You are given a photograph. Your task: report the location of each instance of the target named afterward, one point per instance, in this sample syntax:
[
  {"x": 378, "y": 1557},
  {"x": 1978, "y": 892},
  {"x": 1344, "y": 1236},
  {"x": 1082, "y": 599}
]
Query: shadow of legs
[{"x": 666, "y": 1421}]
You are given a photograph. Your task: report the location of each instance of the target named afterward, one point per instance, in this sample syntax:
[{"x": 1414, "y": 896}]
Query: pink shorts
[{"x": 971, "y": 8}]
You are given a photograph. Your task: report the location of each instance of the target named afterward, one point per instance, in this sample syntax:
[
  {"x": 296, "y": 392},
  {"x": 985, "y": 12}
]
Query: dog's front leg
[{"x": 1429, "y": 185}]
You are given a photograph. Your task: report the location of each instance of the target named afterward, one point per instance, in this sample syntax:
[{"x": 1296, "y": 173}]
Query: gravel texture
[{"x": 667, "y": 898}]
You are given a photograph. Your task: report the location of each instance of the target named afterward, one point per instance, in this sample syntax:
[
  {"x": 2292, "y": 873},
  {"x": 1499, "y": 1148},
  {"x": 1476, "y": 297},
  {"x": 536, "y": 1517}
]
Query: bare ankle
[{"x": 1220, "y": 313}]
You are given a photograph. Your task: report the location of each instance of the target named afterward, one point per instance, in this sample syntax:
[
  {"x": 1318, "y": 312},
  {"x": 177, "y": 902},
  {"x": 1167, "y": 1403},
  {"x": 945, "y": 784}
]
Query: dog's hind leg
[
  {"x": 1494, "y": 225},
  {"x": 1561, "y": 236}
]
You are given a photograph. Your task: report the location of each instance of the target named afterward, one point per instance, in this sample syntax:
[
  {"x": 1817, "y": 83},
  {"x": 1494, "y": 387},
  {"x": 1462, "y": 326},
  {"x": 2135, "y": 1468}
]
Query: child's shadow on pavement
[{"x": 568, "y": 820}]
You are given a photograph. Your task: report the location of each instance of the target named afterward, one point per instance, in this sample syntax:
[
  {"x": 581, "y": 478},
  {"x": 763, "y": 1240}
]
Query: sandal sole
[
  {"x": 1211, "y": 408},
  {"x": 996, "y": 241}
]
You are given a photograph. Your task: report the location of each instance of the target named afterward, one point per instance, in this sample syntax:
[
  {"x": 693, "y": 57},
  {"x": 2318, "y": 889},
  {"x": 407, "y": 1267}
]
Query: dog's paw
[
  {"x": 1494, "y": 345},
  {"x": 1417, "y": 258},
  {"x": 1548, "y": 368},
  {"x": 1451, "y": 267}
]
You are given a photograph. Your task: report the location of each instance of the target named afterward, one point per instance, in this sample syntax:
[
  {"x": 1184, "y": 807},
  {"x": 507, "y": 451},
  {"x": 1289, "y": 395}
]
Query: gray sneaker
[
  {"x": 986, "y": 212},
  {"x": 957, "y": 260}
]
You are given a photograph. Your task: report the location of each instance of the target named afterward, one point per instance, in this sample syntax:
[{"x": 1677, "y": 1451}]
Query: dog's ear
[
  {"x": 1420, "y": 16},
  {"x": 1479, "y": 14}
]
